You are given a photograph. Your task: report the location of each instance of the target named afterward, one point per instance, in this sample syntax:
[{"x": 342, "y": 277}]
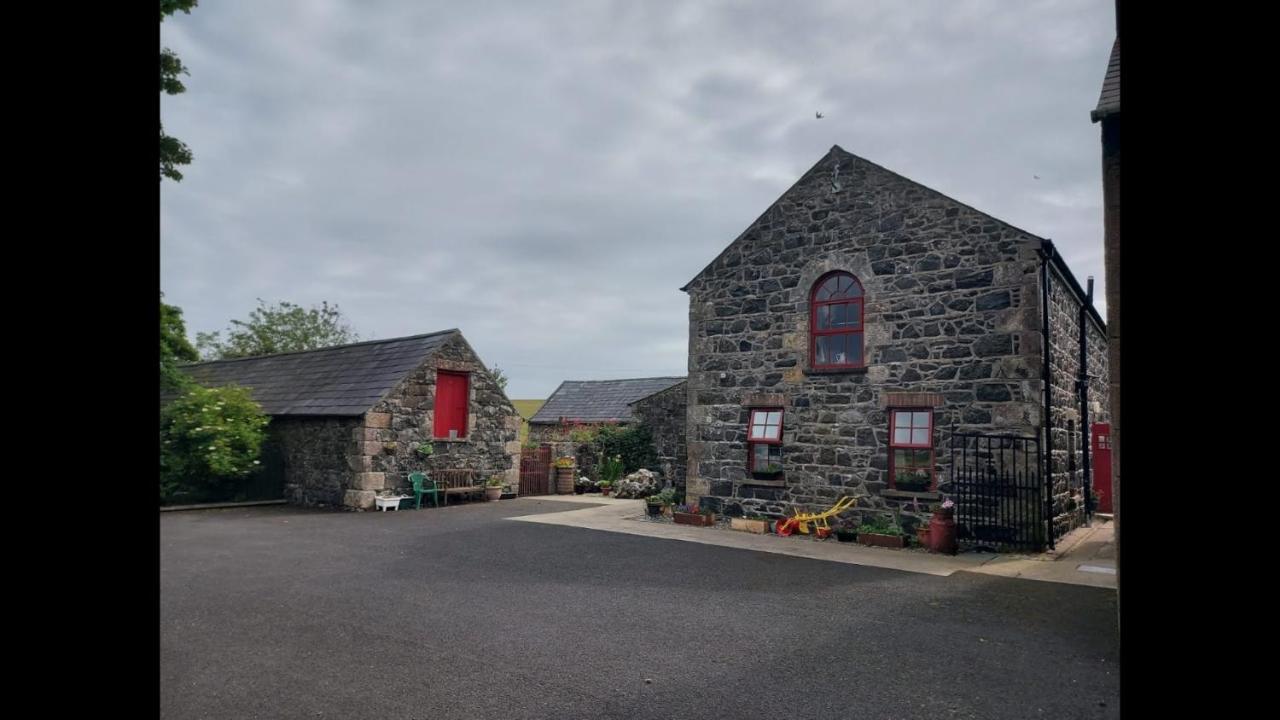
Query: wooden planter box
[
  {"x": 889, "y": 541},
  {"x": 683, "y": 518},
  {"x": 759, "y": 527}
]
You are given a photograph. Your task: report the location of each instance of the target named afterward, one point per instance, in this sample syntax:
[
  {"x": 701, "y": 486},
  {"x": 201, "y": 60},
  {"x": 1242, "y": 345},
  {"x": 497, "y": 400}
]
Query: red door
[
  {"x": 1102, "y": 465},
  {"x": 451, "y": 405}
]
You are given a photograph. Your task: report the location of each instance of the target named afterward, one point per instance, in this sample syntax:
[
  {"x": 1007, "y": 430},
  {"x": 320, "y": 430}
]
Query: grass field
[{"x": 526, "y": 408}]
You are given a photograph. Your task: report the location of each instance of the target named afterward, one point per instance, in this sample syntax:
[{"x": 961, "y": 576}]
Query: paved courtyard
[{"x": 459, "y": 612}]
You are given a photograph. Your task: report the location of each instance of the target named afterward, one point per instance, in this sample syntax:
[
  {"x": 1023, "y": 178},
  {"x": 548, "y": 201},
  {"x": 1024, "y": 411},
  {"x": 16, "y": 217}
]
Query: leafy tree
[
  {"x": 174, "y": 346},
  {"x": 209, "y": 439},
  {"x": 285, "y": 327},
  {"x": 499, "y": 377},
  {"x": 173, "y": 152}
]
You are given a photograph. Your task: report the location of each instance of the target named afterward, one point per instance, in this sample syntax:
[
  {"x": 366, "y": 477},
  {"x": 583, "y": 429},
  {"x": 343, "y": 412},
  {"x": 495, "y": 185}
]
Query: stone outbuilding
[
  {"x": 864, "y": 326},
  {"x": 347, "y": 421},
  {"x": 658, "y": 403}
]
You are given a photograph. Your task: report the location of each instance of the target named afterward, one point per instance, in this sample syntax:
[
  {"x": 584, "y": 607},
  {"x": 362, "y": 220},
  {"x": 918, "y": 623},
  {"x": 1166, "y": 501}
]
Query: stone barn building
[
  {"x": 347, "y": 421},
  {"x": 865, "y": 324},
  {"x": 658, "y": 403}
]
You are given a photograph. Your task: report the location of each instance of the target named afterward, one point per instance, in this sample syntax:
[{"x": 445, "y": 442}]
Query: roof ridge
[
  {"x": 331, "y": 347},
  {"x": 656, "y": 377}
]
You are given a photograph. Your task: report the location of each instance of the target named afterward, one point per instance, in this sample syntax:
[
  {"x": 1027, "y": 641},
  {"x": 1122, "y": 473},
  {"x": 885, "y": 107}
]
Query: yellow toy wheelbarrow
[{"x": 801, "y": 521}]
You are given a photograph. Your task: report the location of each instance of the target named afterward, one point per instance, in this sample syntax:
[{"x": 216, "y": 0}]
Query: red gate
[
  {"x": 535, "y": 471},
  {"x": 1102, "y": 465}
]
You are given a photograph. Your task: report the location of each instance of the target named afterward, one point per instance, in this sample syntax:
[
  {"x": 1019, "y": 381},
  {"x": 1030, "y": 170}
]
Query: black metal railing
[{"x": 998, "y": 486}]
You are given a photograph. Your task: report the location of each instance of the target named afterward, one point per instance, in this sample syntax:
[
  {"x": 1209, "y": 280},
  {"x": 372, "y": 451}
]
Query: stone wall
[
  {"x": 315, "y": 454},
  {"x": 387, "y": 441},
  {"x": 664, "y": 413},
  {"x": 951, "y": 309},
  {"x": 1070, "y": 439}
]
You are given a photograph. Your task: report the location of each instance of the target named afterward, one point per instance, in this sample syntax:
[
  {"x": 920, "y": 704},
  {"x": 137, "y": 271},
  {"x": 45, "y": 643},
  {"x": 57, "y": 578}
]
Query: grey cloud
[{"x": 545, "y": 176}]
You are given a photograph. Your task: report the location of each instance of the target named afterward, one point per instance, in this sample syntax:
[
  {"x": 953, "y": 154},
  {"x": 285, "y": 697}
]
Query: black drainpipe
[
  {"x": 1086, "y": 435},
  {"x": 1046, "y": 252}
]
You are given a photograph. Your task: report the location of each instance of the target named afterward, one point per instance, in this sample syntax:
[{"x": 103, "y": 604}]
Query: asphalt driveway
[{"x": 282, "y": 612}]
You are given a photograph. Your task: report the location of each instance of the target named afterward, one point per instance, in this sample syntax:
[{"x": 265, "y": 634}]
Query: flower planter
[
  {"x": 493, "y": 493},
  {"x": 606, "y": 491},
  {"x": 846, "y": 536},
  {"x": 942, "y": 534},
  {"x": 565, "y": 480},
  {"x": 684, "y": 518},
  {"x": 823, "y": 532},
  {"x": 653, "y": 509},
  {"x": 388, "y": 503},
  {"x": 889, "y": 541},
  {"x": 922, "y": 535},
  {"x": 759, "y": 527}
]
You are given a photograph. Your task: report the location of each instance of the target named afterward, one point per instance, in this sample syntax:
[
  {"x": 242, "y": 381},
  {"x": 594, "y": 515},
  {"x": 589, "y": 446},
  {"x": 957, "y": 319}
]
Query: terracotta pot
[
  {"x": 492, "y": 493},
  {"x": 922, "y": 535},
  {"x": 823, "y": 533},
  {"x": 606, "y": 491}
]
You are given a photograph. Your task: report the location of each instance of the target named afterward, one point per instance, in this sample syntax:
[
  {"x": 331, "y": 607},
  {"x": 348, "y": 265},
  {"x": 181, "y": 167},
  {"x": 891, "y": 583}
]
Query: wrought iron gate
[
  {"x": 535, "y": 471},
  {"x": 999, "y": 489}
]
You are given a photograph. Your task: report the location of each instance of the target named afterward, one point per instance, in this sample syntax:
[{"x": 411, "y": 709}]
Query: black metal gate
[{"x": 999, "y": 490}]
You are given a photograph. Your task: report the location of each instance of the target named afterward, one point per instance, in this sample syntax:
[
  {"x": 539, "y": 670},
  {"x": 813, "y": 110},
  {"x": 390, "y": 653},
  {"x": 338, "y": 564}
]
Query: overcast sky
[{"x": 545, "y": 176}]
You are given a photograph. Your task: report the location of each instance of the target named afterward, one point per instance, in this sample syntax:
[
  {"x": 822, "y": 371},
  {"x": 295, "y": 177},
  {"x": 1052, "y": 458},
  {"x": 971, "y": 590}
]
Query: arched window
[{"x": 835, "y": 322}]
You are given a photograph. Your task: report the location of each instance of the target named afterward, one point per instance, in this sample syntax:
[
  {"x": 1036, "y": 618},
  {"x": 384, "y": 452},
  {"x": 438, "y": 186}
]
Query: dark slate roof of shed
[
  {"x": 599, "y": 400},
  {"x": 338, "y": 381},
  {"x": 1109, "y": 98}
]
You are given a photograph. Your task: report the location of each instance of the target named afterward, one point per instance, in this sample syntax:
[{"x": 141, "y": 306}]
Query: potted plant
[
  {"x": 757, "y": 524},
  {"x": 822, "y": 532},
  {"x": 493, "y": 488},
  {"x": 879, "y": 533},
  {"x": 845, "y": 532},
  {"x": 565, "y": 474},
  {"x": 653, "y": 506},
  {"x": 388, "y": 501},
  {"x": 691, "y": 515},
  {"x": 915, "y": 480},
  {"x": 942, "y": 529},
  {"x": 425, "y": 449},
  {"x": 769, "y": 471},
  {"x": 605, "y": 486}
]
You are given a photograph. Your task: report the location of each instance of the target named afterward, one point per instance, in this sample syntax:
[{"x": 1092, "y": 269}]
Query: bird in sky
[
  {"x": 1037, "y": 177},
  {"x": 818, "y": 115}
]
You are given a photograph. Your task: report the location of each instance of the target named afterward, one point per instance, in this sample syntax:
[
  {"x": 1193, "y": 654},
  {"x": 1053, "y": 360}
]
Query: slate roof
[
  {"x": 599, "y": 400},
  {"x": 1109, "y": 98},
  {"x": 337, "y": 381}
]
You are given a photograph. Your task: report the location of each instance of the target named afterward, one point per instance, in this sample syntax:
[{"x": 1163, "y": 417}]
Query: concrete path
[{"x": 1083, "y": 557}]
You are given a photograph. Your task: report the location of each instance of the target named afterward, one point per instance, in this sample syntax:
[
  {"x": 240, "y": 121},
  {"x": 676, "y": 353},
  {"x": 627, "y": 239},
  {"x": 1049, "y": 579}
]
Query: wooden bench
[{"x": 458, "y": 482}]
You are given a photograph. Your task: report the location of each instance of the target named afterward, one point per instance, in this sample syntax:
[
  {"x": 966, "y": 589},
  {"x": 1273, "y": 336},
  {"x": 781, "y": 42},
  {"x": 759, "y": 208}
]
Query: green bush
[
  {"x": 210, "y": 438},
  {"x": 634, "y": 444}
]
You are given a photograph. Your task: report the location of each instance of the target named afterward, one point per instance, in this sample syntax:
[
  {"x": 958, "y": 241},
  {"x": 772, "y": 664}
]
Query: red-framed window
[
  {"x": 450, "y": 421},
  {"x": 835, "y": 322},
  {"x": 764, "y": 440},
  {"x": 911, "y": 458}
]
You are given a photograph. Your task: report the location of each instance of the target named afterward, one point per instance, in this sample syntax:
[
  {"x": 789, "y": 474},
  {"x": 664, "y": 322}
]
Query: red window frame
[
  {"x": 815, "y": 332},
  {"x": 446, "y": 416},
  {"x": 765, "y": 425},
  {"x": 909, "y": 445}
]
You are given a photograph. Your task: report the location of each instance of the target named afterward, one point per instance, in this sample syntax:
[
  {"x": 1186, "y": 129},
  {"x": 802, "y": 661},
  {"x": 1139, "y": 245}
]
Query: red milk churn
[{"x": 942, "y": 534}]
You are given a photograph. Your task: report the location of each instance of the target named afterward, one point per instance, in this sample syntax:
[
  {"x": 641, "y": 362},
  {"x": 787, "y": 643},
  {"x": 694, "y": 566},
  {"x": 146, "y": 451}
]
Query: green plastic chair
[{"x": 423, "y": 485}]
